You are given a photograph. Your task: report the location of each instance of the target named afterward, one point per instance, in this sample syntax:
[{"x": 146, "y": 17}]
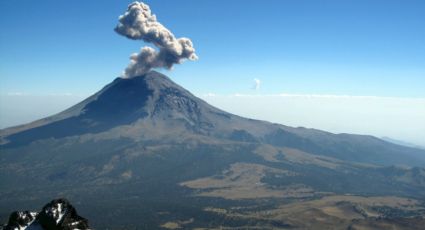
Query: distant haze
[
  {"x": 398, "y": 118},
  {"x": 21, "y": 108}
]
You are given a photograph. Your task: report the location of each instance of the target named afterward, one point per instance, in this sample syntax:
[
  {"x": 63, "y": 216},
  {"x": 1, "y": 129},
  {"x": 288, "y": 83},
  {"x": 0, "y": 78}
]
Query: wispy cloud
[
  {"x": 16, "y": 94},
  {"x": 25, "y": 94},
  {"x": 288, "y": 95},
  {"x": 209, "y": 95}
]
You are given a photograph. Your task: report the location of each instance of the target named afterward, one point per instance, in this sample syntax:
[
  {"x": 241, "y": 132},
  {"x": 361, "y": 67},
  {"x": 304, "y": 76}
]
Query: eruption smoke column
[{"x": 138, "y": 23}]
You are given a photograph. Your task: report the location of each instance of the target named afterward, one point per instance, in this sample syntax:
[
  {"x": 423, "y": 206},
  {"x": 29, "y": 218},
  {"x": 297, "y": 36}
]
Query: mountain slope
[{"x": 147, "y": 147}]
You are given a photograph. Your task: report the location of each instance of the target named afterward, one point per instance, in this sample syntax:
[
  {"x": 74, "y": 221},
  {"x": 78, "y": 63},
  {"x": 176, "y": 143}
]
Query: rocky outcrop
[{"x": 58, "y": 214}]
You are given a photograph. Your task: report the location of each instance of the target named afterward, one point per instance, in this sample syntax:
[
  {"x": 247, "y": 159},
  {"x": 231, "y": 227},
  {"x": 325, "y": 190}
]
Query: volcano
[{"x": 144, "y": 153}]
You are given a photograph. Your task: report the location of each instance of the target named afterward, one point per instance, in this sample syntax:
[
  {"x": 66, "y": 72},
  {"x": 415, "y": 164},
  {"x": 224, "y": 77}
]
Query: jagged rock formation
[{"x": 58, "y": 214}]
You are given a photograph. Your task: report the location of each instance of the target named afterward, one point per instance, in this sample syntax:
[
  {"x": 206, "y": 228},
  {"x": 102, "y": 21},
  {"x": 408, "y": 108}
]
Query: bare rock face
[
  {"x": 58, "y": 214},
  {"x": 20, "y": 220}
]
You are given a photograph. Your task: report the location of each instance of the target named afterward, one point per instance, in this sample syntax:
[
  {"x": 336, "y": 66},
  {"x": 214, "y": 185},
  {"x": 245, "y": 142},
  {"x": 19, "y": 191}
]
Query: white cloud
[{"x": 257, "y": 84}]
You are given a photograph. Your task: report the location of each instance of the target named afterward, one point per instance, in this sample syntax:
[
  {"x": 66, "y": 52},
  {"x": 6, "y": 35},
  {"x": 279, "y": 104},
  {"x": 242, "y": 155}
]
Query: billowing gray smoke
[{"x": 138, "y": 23}]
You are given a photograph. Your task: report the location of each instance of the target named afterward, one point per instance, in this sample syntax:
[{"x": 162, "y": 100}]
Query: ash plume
[{"x": 138, "y": 23}]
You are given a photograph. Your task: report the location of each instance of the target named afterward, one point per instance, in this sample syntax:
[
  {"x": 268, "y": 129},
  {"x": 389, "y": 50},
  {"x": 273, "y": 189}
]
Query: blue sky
[
  {"x": 357, "y": 48},
  {"x": 334, "y": 47}
]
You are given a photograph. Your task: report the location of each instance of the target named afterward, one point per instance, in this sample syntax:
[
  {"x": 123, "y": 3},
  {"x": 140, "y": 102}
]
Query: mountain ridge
[{"x": 133, "y": 98}]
